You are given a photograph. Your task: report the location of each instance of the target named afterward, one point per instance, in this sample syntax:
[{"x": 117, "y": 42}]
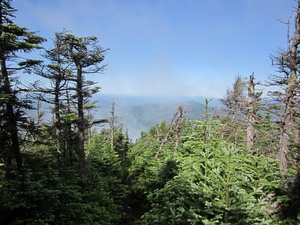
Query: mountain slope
[{"x": 136, "y": 114}]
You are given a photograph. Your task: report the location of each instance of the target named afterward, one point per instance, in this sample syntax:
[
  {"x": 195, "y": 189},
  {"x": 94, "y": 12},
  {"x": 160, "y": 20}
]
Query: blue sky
[{"x": 169, "y": 47}]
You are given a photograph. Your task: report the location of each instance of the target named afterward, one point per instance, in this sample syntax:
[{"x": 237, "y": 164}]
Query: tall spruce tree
[
  {"x": 13, "y": 39},
  {"x": 85, "y": 57},
  {"x": 70, "y": 93},
  {"x": 56, "y": 95}
]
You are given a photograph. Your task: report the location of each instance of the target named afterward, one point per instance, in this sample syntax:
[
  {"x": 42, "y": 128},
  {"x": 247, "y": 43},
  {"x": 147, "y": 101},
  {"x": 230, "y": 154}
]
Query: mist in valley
[{"x": 138, "y": 113}]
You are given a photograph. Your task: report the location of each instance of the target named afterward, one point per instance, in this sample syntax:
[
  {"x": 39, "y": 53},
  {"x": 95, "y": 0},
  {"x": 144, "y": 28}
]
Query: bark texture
[{"x": 287, "y": 124}]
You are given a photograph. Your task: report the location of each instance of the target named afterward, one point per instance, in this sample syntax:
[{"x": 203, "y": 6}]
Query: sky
[{"x": 169, "y": 47}]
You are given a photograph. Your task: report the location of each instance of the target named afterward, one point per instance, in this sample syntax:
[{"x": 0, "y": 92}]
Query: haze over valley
[{"x": 139, "y": 113}]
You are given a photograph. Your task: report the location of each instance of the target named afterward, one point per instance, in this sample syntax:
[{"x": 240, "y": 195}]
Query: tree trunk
[
  {"x": 287, "y": 119},
  {"x": 112, "y": 126},
  {"x": 81, "y": 124},
  {"x": 11, "y": 117},
  {"x": 60, "y": 149},
  {"x": 175, "y": 126},
  {"x": 250, "y": 114}
]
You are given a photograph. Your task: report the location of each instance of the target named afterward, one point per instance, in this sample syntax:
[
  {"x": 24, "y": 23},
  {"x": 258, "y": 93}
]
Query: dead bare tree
[
  {"x": 251, "y": 111},
  {"x": 112, "y": 122},
  {"x": 287, "y": 62},
  {"x": 174, "y": 128}
]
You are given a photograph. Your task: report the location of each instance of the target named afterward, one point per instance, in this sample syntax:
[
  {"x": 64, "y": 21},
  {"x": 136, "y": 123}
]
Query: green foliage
[
  {"x": 145, "y": 172},
  {"x": 216, "y": 187},
  {"x": 205, "y": 181},
  {"x": 266, "y": 135},
  {"x": 13, "y": 39},
  {"x": 100, "y": 150},
  {"x": 41, "y": 198},
  {"x": 176, "y": 203}
]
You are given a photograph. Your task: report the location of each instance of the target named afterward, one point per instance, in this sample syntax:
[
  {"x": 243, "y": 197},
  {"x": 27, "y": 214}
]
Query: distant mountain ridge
[{"x": 139, "y": 113}]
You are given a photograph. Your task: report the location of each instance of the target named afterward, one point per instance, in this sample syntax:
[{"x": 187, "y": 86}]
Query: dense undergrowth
[{"x": 197, "y": 182}]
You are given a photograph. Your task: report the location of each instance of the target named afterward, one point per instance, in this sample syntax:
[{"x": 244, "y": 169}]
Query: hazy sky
[{"x": 169, "y": 47}]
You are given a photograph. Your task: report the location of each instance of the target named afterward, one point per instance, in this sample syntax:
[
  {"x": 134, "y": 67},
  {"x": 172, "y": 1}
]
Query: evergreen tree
[
  {"x": 85, "y": 57},
  {"x": 70, "y": 94},
  {"x": 235, "y": 106},
  {"x": 13, "y": 39},
  {"x": 242, "y": 103},
  {"x": 57, "y": 96}
]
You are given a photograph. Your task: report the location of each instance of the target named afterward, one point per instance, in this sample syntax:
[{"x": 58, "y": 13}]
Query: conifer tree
[
  {"x": 56, "y": 95},
  {"x": 70, "y": 93},
  {"x": 287, "y": 62},
  {"x": 13, "y": 39},
  {"x": 85, "y": 57},
  {"x": 242, "y": 103},
  {"x": 235, "y": 106}
]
